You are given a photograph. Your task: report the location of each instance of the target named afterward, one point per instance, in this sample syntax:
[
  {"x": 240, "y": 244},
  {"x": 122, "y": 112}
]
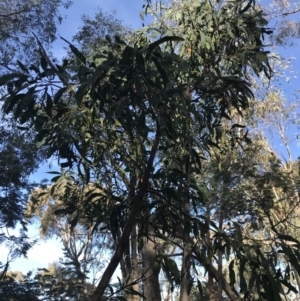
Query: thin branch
[{"x": 288, "y": 13}]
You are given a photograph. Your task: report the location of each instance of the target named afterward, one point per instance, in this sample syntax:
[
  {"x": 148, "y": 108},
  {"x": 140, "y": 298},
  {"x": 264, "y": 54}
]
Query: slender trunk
[
  {"x": 186, "y": 258},
  {"x": 134, "y": 265},
  {"x": 129, "y": 266},
  {"x": 168, "y": 291},
  {"x": 220, "y": 259},
  {"x": 185, "y": 275},
  {"x": 124, "y": 239},
  {"x": 150, "y": 275},
  {"x": 211, "y": 287},
  {"x": 123, "y": 269}
]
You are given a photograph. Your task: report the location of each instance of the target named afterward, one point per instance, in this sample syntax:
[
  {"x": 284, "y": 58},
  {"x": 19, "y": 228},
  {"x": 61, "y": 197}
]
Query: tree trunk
[
  {"x": 212, "y": 292},
  {"x": 220, "y": 257},
  {"x": 150, "y": 275},
  {"x": 186, "y": 262},
  {"x": 185, "y": 275},
  {"x": 134, "y": 265}
]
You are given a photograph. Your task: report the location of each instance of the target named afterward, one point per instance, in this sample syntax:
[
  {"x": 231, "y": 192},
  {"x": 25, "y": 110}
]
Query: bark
[
  {"x": 168, "y": 290},
  {"x": 150, "y": 275},
  {"x": 134, "y": 265},
  {"x": 124, "y": 239},
  {"x": 211, "y": 287},
  {"x": 123, "y": 269},
  {"x": 185, "y": 275},
  {"x": 220, "y": 255},
  {"x": 186, "y": 258},
  {"x": 129, "y": 266}
]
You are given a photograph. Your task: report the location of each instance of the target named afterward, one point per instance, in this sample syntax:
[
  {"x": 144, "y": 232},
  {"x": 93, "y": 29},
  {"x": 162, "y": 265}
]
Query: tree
[
  {"x": 18, "y": 159},
  {"x": 19, "y": 21},
  {"x": 94, "y": 30},
  {"x": 82, "y": 247},
  {"x": 138, "y": 123},
  {"x": 54, "y": 283}
]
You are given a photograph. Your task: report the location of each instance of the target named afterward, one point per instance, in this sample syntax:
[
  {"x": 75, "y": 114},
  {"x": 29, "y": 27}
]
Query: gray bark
[{"x": 150, "y": 275}]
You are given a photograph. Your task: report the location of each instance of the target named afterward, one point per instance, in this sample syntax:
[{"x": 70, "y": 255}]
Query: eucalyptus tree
[
  {"x": 18, "y": 159},
  {"x": 136, "y": 121},
  {"x": 19, "y": 20}
]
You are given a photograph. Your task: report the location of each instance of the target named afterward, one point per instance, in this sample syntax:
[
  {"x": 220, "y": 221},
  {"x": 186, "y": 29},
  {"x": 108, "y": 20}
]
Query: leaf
[
  {"x": 155, "y": 44},
  {"x": 65, "y": 164},
  {"x": 243, "y": 283},
  {"x": 34, "y": 68},
  {"x": 7, "y": 77},
  {"x": 22, "y": 66},
  {"x": 60, "y": 211},
  {"x": 75, "y": 50},
  {"x": 142, "y": 16},
  {"x": 173, "y": 269},
  {"x": 82, "y": 90},
  {"x": 200, "y": 289},
  {"x": 238, "y": 126},
  {"x": 54, "y": 172},
  {"x": 49, "y": 103},
  {"x": 211, "y": 143},
  {"x": 289, "y": 286},
  {"x": 288, "y": 237},
  {"x": 74, "y": 221},
  {"x": 161, "y": 70},
  {"x": 156, "y": 267},
  {"x": 232, "y": 274},
  {"x": 12, "y": 101},
  {"x": 59, "y": 94},
  {"x": 44, "y": 63},
  {"x": 40, "y": 143}
]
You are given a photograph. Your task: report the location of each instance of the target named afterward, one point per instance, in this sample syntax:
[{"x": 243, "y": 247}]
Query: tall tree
[{"x": 137, "y": 122}]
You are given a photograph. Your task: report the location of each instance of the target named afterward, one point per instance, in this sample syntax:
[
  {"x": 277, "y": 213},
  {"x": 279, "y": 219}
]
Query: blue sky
[{"x": 127, "y": 11}]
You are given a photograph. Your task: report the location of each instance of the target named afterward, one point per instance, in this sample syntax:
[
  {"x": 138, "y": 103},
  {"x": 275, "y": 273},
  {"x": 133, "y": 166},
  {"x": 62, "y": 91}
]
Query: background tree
[
  {"x": 19, "y": 158},
  {"x": 18, "y": 21}
]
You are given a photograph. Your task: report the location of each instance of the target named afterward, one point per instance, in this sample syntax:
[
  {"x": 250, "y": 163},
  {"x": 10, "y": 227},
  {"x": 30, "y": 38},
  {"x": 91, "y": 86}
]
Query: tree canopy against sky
[
  {"x": 155, "y": 127},
  {"x": 19, "y": 21}
]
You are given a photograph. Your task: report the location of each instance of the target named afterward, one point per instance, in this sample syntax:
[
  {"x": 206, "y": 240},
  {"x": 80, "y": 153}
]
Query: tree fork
[{"x": 124, "y": 239}]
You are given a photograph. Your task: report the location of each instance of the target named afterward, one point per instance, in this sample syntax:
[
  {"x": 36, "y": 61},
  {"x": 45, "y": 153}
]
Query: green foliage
[{"x": 54, "y": 283}]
